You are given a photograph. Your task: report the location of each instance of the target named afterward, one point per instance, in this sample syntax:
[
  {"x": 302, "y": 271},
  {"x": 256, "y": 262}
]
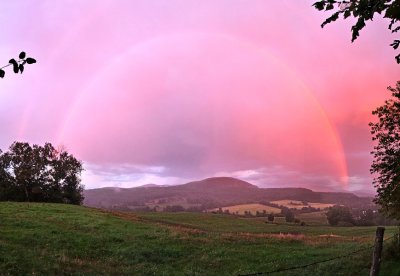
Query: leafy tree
[
  {"x": 17, "y": 64},
  {"x": 386, "y": 163},
  {"x": 41, "y": 174},
  {"x": 363, "y": 11},
  {"x": 365, "y": 218},
  {"x": 337, "y": 214},
  {"x": 289, "y": 216},
  {"x": 271, "y": 217}
]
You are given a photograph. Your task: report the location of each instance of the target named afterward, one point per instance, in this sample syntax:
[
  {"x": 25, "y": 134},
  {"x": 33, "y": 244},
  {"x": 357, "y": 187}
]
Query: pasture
[
  {"x": 45, "y": 239},
  {"x": 296, "y": 204},
  {"x": 253, "y": 208}
]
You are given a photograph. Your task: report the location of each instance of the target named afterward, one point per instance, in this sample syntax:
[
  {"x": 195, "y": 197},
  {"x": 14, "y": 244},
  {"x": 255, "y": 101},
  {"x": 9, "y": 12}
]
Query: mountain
[
  {"x": 151, "y": 186},
  {"x": 208, "y": 193}
]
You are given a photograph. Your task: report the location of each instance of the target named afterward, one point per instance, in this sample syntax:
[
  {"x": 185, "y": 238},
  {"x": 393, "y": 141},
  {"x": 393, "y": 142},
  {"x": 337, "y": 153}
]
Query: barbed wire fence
[{"x": 396, "y": 237}]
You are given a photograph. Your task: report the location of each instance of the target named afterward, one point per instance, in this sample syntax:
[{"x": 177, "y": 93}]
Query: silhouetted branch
[{"x": 18, "y": 66}]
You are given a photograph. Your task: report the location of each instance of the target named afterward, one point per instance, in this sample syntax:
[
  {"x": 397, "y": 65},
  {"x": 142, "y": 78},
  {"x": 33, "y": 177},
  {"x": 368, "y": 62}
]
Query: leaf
[
  {"x": 30, "y": 60},
  {"x": 319, "y": 5},
  {"x": 21, "y": 68},
  {"x": 2, "y": 73},
  {"x": 395, "y": 44},
  {"x": 15, "y": 65},
  {"x": 329, "y": 7},
  {"x": 22, "y": 55},
  {"x": 330, "y": 19},
  {"x": 357, "y": 28},
  {"x": 15, "y": 68}
]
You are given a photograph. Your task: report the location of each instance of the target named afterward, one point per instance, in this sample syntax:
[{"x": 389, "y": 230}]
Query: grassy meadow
[
  {"x": 253, "y": 208},
  {"x": 296, "y": 204},
  {"x": 49, "y": 239}
]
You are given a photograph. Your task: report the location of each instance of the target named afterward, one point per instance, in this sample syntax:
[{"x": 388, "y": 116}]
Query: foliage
[
  {"x": 289, "y": 215},
  {"x": 386, "y": 164},
  {"x": 366, "y": 218},
  {"x": 271, "y": 217},
  {"x": 41, "y": 174},
  {"x": 18, "y": 65},
  {"x": 339, "y": 215},
  {"x": 363, "y": 11}
]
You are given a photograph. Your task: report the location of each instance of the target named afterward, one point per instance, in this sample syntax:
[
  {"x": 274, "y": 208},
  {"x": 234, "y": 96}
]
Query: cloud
[
  {"x": 149, "y": 91},
  {"x": 126, "y": 176}
]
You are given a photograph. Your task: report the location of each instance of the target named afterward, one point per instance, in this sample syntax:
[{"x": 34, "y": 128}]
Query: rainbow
[{"x": 262, "y": 51}]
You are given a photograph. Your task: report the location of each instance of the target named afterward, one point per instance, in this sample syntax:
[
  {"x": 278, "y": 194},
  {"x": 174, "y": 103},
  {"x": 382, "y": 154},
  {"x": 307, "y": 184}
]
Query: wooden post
[{"x": 376, "y": 257}]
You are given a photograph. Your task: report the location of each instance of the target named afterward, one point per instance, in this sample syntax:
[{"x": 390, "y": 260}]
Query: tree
[
  {"x": 363, "y": 11},
  {"x": 289, "y": 216},
  {"x": 18, "y": 65},
  {"x": 386, "y": 163},
  {"x": 271, "y": 217},
  {"x": 337, "y": 214},
  {"x": 40, "y": 174},
  {"x": 366, "y": 218}
]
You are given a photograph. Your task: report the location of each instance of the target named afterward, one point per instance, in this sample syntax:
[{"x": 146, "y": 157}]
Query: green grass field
[
  {"x": 49, "y": 239},
  {"x": 252, "y": 208},
  {"x": 314, "y": 218}
]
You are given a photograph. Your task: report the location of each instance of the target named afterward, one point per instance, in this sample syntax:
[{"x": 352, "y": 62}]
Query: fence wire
[{"x": 314, "y": 263}]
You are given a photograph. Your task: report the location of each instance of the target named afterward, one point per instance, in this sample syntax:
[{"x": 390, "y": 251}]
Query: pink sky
[{"x": 171, "y": 91}]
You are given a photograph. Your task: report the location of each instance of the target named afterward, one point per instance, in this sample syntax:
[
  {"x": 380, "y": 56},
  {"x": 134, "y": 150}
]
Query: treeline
[
  {"x": 40, "y": 174},
  {"x": 344, "y": 216}
]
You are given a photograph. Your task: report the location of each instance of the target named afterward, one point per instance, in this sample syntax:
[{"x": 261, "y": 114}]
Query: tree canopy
[
  {"x": 339, "y": 215},
  {"x": 40, "y": 173},
  {"x": 363, "y": 11},
  {"x": 386, "y": 163}
]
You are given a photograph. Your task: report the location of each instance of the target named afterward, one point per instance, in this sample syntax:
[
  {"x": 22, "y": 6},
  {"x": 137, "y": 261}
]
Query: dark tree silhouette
[
  {"x": 337, "y": 214},
  {"x": 363, "y": 11},
  {"x": 386, "y": 164},
  {"x": 41, "y": 174},
  {"x": 289, "y": 216},
  {"x": 18, "y": 65}
]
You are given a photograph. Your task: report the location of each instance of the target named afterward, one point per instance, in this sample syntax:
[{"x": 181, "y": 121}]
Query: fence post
[{"x": 376, "y": 257}]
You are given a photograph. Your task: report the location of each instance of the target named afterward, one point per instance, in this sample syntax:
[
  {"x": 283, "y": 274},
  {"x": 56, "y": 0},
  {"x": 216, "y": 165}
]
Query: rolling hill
[{"x": 210, "y": 193}]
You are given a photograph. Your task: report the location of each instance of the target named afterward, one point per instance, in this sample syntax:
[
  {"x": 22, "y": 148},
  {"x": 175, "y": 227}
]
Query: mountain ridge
[{"x": 210, "y": 192}]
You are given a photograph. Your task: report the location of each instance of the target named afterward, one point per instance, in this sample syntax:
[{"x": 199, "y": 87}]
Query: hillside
[
  {"x": 58, "y": 239},
  {"x": 209, "y": 193}
]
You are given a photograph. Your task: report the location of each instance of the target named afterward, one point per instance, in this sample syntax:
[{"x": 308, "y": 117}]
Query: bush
[{"x": 392, "y": 248}]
